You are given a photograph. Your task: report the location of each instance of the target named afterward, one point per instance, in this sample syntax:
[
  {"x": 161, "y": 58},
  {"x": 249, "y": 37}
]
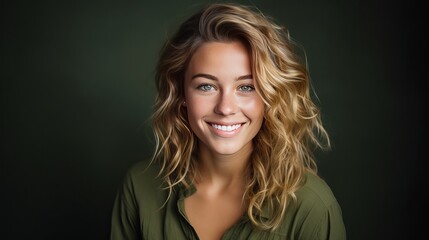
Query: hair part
[{"x": 292, "y": 126}]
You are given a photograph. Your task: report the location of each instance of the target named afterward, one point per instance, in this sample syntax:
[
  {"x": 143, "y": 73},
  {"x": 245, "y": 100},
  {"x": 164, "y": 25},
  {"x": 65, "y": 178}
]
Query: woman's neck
[{"x": 223, "y": 171}]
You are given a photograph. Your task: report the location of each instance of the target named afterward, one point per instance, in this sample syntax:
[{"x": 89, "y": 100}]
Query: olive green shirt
[{"x": 139, "y": 212}]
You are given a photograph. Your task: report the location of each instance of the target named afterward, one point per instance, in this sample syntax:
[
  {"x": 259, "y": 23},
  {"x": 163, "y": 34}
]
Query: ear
[{"x": 184, "y": 103}]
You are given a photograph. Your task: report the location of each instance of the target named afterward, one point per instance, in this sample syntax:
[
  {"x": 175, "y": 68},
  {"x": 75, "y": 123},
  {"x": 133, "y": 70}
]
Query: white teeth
[{"x": 226, "y": 128}]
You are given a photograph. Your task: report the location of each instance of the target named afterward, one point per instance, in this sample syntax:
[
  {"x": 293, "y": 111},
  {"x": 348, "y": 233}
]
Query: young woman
[{"x": 235, "y": 128}]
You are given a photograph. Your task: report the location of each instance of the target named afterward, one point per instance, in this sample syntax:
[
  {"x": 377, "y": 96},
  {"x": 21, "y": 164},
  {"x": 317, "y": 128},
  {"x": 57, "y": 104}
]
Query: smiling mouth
[{"x": 226, "y": 128}]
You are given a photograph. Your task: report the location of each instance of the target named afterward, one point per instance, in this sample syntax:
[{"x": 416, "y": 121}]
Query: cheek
[
  {"x": 196, "y": 107},
  {"x": 254, "y": 108}
]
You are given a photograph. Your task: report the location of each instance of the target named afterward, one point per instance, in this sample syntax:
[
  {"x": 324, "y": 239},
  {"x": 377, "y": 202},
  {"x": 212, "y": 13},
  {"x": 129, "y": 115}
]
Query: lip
[{"x": 226, "y": 133}]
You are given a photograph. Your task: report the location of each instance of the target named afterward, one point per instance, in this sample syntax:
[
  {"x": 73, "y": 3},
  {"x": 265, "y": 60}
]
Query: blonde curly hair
[{"x": 292, "y": 126}]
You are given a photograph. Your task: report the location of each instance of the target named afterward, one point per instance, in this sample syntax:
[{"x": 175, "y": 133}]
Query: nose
[{"x": 227, "y": 104}]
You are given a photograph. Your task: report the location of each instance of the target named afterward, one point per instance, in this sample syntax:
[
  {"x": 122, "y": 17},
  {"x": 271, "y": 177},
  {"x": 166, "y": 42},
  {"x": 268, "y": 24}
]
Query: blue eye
[
  {"x": 247, "y": 88},
  {"x": 206, "y": 87}
]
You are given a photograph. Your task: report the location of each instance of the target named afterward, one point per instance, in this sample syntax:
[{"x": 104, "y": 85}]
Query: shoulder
[
  {"x": 137, "y": 202},
  {"x": 142, "y": 170},
  {"x": 315, "y": 190},
  {"x": 143, "y": 175},
  {"x": 315, "y": 199},
  {"x": 316, "y": 213},
  {"x": 142, "y": 182}
]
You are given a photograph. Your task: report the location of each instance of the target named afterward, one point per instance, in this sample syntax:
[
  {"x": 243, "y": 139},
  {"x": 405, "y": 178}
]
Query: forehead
[{"x": 221, "y": 57}]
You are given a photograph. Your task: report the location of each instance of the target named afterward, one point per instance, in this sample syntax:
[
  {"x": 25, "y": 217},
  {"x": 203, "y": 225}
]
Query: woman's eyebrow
[
  {"x": 205, "y": 75},
  {"x": 249, "y": 76},
  {"x": 211, "y": 77}
]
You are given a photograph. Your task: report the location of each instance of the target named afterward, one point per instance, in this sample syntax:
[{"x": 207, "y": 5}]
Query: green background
[{"x": 77, "y": 93}]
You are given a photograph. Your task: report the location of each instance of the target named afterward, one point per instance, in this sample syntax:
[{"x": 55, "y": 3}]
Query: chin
[{"x": 226, "y": 150}]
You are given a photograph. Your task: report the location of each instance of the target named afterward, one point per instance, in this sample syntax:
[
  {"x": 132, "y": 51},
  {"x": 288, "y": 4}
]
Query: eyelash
[
  {"x": 203, "y": 87},
  {"x": 251, "y": 88}
]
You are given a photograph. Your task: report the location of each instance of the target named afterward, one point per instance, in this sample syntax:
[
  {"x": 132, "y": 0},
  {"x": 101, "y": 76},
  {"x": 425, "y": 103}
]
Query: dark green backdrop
[{"x": 77, "y": 92}]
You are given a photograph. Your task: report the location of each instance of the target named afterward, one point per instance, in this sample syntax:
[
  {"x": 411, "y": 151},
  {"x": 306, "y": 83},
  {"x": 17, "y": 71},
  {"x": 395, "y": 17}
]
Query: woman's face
[{"x": 224, "y": 110}]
